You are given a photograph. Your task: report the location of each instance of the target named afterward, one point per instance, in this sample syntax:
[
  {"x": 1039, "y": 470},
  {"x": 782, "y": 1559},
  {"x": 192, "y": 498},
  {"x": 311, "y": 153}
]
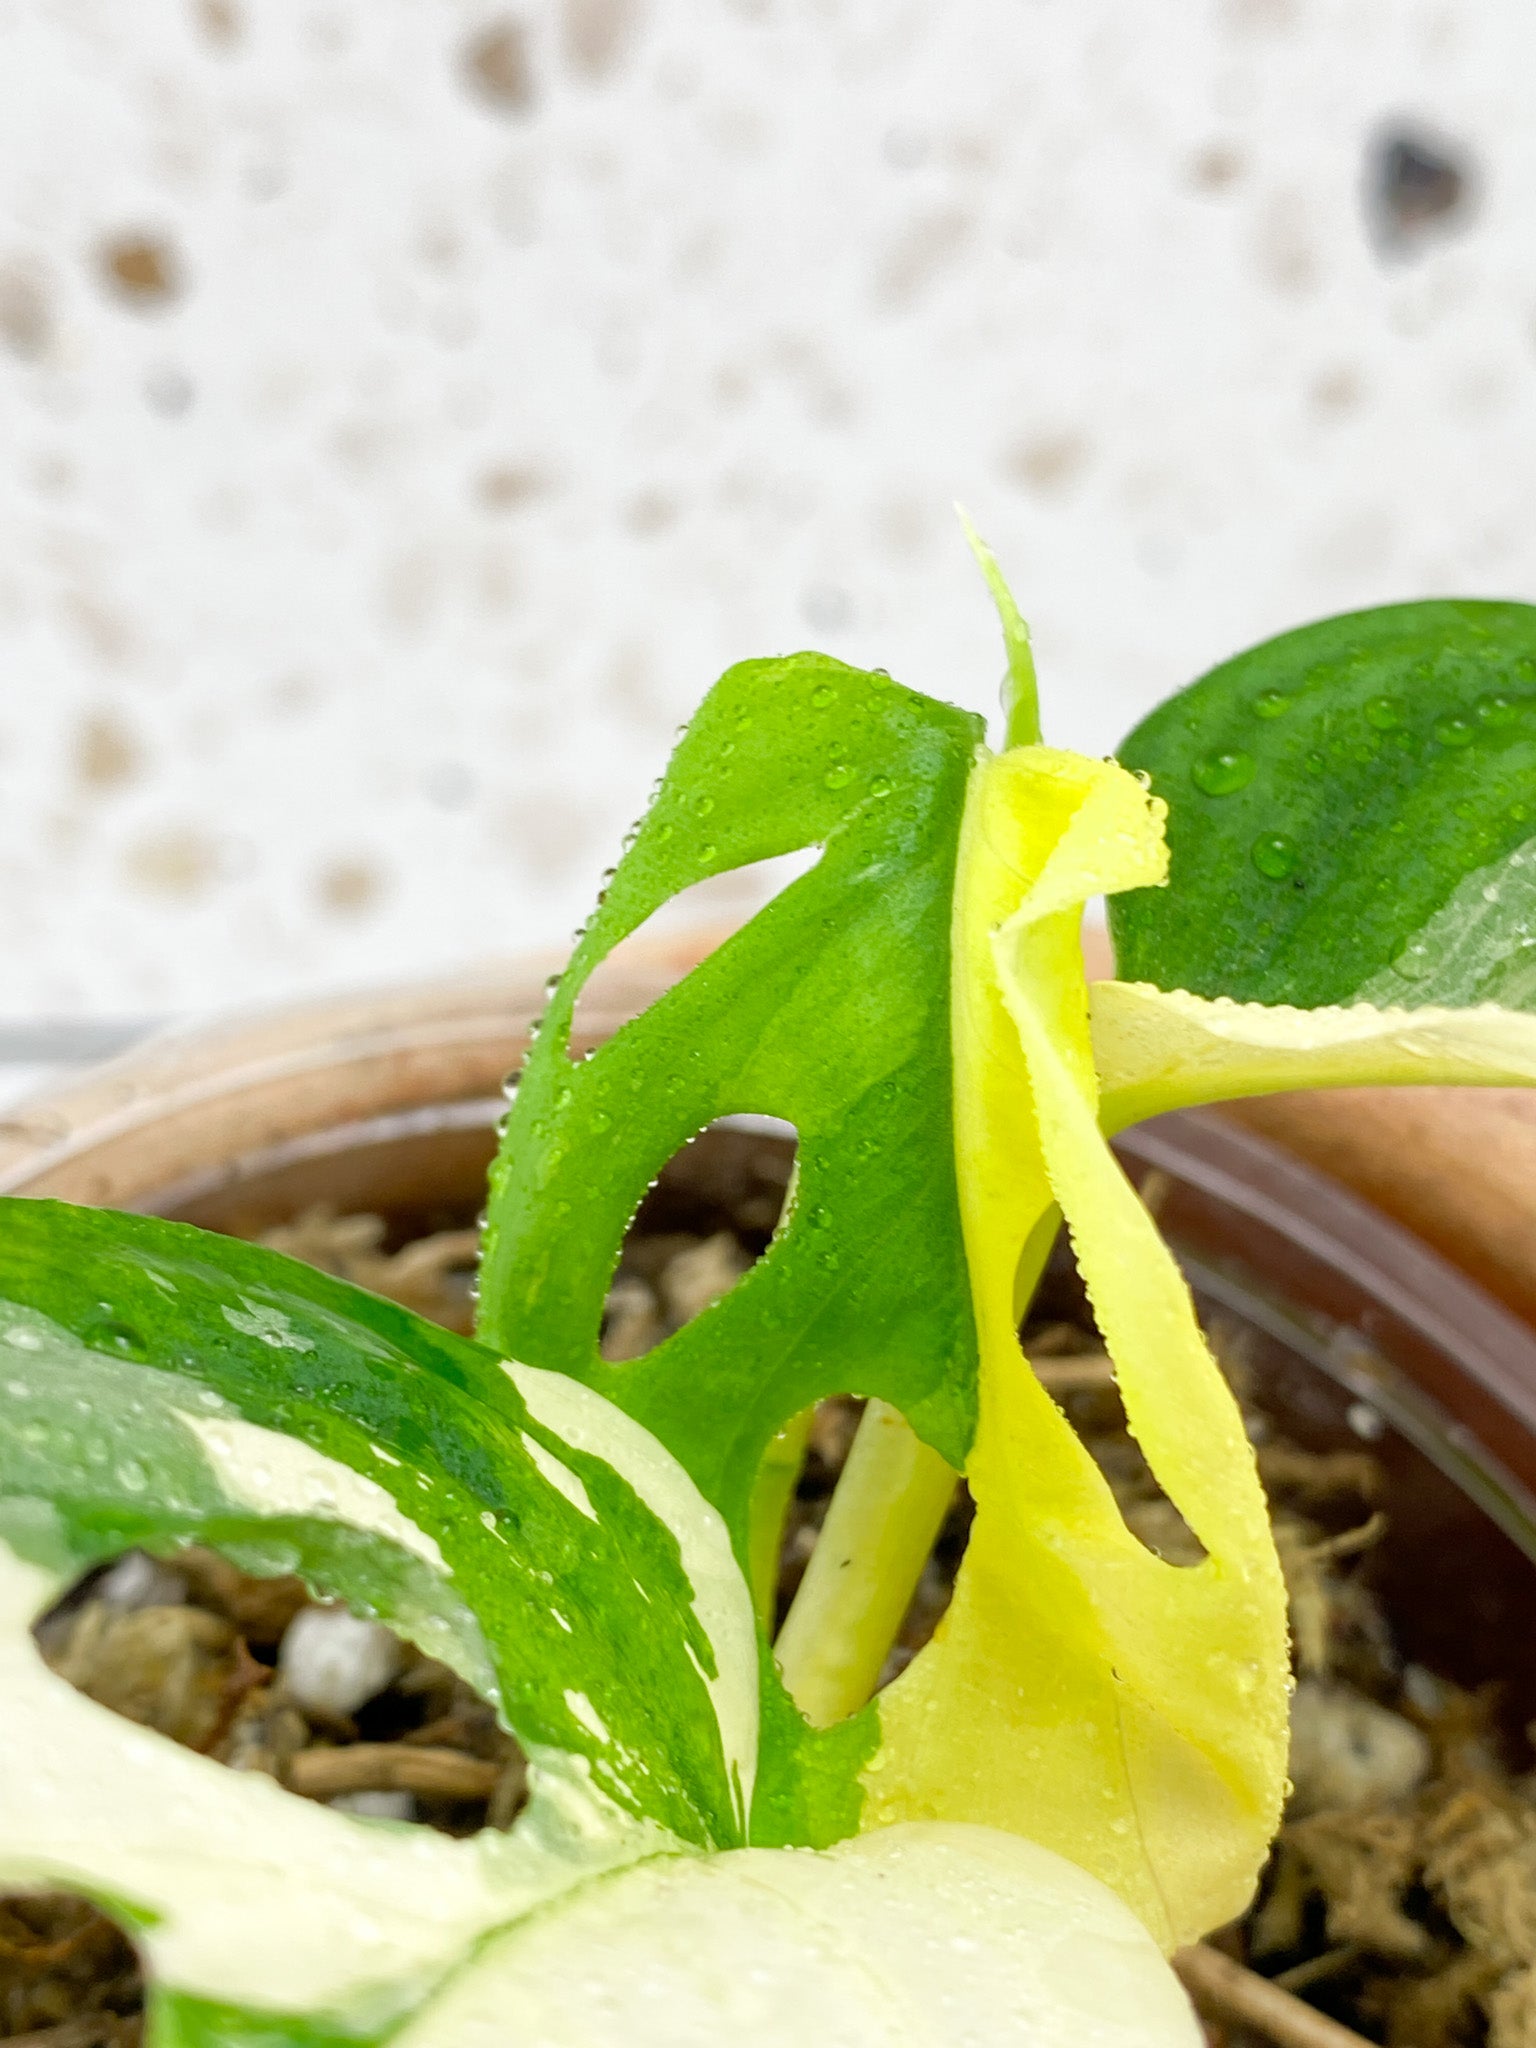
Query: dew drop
[
  {"x": 122, "y": 1338},
  {"x": 132, "y": 1476},
  {"x": 703, "y": 806},
  {"x": 881, "y": 786},
  {"x": 1384, "y": 713},
  {"x": 1413, "y": 963},
  {"x": 838, "y": 776},
  {"x": 1453, "y": 732},
  {"x": 1271, "y": 704},
  {"x": 1496, "y": 709},
  {"x": 823, "y": 695},
  {"x": 1274, "y": 856},
  {"x": 1225, "y": 773}
]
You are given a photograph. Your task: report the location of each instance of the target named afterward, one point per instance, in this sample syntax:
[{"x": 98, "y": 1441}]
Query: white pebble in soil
[
  {"x": 1348, "y": 1751},
  {"x": 335, "y": 1663},
  {"x": 139, "y": 1580},
  {"x": 376, "y": 1805}
]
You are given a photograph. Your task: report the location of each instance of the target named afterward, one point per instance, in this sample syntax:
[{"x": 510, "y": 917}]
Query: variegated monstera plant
[{"x": 1322, "y": 866}]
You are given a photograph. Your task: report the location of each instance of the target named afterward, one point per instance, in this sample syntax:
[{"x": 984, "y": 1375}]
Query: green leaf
[
  {"x": 514, "y": 1524},
  {"x": 1351, "y": 814},
  {"x": 829, "y": 1009},
  {"x": 240, "y": 1894}
]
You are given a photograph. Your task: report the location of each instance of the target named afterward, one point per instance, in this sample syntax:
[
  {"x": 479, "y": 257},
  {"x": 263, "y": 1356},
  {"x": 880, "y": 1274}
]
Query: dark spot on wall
[
  {"x": 597, "y": 33},
  {"x": 106, "y": 632},
  {"x": 1262, "y": 17},
  {"x": 220, "y": 21},
  {"x": 508, "y": 486},
  {"x": 178, "y": 861},
  {"x": 498, "y": 68},
  {"x": 106, "y": 753},
  {"x": 929, "y": 244},
  {"x": 26, "y": 313},
  {"x": 1216, "y": 168},
  {"x": 1046, "y": 462},
  {"x": 349, "y": 888},
  {"x": 1337, "y": 390},
  {"x": 140, "y": 269},
  {"x": 1417, "y": 186},
  {"x": 649, "y": 512}
]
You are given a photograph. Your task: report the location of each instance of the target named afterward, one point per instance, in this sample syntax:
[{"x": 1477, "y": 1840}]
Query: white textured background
[{"x": 407, "y": 407}]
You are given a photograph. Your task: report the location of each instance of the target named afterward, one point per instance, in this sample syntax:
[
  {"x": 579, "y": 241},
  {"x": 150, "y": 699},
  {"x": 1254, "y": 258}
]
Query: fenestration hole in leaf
[
  {"x": 260, "y": 1676},
  {"x": 829, "y": 1439},
  {"x": 68, "y": 1975},
  {"x": 1062, "y": 1346},
  {"x": 684, "y": 930},
  {"x": 706, "y": 1220},
  {"x": 257, "y": 1674}
]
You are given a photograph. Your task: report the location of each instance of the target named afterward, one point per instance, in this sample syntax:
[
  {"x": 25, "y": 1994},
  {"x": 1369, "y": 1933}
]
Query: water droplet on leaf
[
  {"x": 1413, "y": 963},
  {"x": 1274, "y": 856},
  {"x": 1271, "y": 704},
  {"x": 1384, "y": 713},
  {"x": 838, "y": 776},
  {"x": 1453, "y": 732},
  {"x": 1225, "y": 773}
]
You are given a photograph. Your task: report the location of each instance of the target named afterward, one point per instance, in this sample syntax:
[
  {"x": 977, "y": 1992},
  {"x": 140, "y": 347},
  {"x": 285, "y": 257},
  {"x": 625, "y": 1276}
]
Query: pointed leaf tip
[{"x": 1021, "y": 697}]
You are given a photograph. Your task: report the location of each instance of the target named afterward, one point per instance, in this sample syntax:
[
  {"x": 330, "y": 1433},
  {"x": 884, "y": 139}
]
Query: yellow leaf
[
  {"x": 1157, "y": 1050},
  {"x": 1123, "y": 1711}
]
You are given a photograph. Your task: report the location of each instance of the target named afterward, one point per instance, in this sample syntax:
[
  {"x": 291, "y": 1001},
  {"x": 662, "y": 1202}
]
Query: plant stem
[
  {"x": 1226, "y": 1991},
  {"x": 770, "y": 1499},
  {"x": 881, "y": 1524}
]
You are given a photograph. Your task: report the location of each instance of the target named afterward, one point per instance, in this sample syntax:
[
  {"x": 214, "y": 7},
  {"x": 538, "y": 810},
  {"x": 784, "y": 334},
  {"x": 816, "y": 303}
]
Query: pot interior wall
[{"x": 1354, "y": 1335}]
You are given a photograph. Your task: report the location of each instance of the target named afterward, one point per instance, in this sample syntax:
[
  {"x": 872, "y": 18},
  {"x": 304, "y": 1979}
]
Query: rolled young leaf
[{"x": 1081, "y": 1690}]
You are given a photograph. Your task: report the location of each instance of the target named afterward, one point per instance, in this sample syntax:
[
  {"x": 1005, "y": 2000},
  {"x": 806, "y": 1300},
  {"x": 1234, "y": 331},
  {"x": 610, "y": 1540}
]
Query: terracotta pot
[
  {"x": 1456, "y": 1165},
  {"x": 1355, "y": 1329}
]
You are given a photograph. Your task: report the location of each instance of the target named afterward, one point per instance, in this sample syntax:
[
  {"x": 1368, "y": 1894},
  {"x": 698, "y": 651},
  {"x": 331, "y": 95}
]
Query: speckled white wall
[{"x": 408, "y": 406}]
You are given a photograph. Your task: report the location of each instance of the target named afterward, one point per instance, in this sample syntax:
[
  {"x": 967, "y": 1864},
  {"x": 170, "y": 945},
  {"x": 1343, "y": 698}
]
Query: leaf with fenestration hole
[
  {"x": 508, "y": 1521},
  {"x": 831, "y": 1010}
]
